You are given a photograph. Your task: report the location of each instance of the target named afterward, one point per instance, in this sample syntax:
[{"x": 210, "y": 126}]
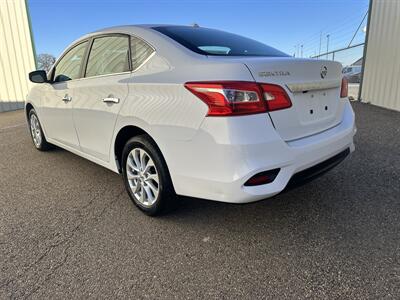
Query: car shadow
[{"x": 301, "y": 202}]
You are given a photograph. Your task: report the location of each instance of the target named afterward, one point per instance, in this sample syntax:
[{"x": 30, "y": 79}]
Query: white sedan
[{"x": 192, "y": 111}]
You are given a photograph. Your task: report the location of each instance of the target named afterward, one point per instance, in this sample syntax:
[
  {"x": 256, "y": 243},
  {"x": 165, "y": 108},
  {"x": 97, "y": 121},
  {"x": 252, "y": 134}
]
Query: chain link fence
[{"x": 352, "y": 60}]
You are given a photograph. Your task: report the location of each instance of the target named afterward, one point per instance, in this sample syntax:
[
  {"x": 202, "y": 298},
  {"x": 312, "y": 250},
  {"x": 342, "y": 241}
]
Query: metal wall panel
[
  {"x": 381, "y": 82},
  {"x": 16, "y": 54}
]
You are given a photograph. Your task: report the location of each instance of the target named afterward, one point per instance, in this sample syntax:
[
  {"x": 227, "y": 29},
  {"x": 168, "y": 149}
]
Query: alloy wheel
[
  {"x": 35, "y": 130},
  {"x": 142, "y": 176}
]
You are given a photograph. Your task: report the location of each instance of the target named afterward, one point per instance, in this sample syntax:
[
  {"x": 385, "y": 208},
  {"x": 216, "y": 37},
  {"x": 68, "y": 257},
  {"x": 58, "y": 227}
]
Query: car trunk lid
[{"x": 313, "y": 87}]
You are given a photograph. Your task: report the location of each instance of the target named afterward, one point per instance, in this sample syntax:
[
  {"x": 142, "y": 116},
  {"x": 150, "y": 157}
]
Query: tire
[
  {"x": 146, "y": 176},
  {"x": 37, "y": 135}
]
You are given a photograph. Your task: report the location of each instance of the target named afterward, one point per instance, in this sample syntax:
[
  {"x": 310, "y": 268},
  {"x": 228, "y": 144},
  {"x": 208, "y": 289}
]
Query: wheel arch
[
  {"x": 28, "y": 107},
  {"x": 124, "y": 134}
]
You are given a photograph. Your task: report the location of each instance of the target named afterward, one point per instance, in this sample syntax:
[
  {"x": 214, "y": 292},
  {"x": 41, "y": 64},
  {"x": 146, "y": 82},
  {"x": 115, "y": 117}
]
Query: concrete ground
[{"x": 69, "y": 230}]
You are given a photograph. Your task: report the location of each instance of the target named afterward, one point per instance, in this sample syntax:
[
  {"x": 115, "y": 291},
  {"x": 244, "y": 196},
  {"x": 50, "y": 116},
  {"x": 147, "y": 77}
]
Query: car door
[
  {"x": 98, "y": 96},
  {"x": 57, "y": 100}
]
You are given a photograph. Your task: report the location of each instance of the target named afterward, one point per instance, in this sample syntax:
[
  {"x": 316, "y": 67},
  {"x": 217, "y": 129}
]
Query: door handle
[
  {"x": 111, "y": 100},
  {"x": 66, "y": 98}
]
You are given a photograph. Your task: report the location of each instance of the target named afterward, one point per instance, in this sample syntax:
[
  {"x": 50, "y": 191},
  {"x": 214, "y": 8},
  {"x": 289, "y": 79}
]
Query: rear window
[{"x": 215, "y": 42}]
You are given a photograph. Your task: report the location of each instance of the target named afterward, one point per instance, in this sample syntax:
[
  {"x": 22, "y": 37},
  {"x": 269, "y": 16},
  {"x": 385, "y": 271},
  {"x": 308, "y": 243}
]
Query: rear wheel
[
  {"x": 146, "y": 175},
  {"x": 38, "y": 138}
]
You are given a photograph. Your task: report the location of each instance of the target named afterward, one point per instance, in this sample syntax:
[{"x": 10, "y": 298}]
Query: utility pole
[
  {"x": 327, "y": 45},
  {"x": 302, "y": 50},
  {"x": 297, "y": 50},
  {"x": 320, "y": 43}
]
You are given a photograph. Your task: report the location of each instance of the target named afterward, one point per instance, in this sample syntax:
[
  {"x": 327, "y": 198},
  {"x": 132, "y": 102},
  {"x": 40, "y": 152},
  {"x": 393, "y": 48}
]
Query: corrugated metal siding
[
  {"x": 381, "y": 83},
  {"x": 16, "y": 54}
]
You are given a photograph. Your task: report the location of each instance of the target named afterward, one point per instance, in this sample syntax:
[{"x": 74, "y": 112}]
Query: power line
[
  {"x": 358, "y": 28},
  {"x": 336, "y": 40},
  {"x": 335, "y": 35},
  {"x": 331, "y": 29},
  {"x": 338, "y": 50}
]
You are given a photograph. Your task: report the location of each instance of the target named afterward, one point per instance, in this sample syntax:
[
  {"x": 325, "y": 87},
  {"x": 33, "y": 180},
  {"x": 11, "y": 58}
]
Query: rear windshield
[{"x": 215, "y": 42}]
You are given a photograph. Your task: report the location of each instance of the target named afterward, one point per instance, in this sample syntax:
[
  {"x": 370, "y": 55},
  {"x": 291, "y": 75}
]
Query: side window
[
  {"x": 140, "y": 52},
  {"x": 108, "y": 55},
  {"x": 69, "y": 66}
]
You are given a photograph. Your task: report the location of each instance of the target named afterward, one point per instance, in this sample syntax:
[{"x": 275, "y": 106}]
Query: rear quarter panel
[{"x": 159, "y": 103}]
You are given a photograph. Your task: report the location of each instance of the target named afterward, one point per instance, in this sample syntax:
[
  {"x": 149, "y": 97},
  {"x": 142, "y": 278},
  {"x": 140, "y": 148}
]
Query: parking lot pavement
[{"x": 69, "y": 230}]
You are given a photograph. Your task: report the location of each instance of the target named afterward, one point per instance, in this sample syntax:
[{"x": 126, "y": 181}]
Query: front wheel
[
  {"x": 146, "y": 175},
  {"x": 36, "y": 131}
]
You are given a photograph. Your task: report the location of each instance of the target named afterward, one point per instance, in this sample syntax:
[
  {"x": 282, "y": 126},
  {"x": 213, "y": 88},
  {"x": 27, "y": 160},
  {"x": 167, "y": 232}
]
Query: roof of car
[
  {"x": 143, "y": 31},
  {"x": 130, "y": 27}
]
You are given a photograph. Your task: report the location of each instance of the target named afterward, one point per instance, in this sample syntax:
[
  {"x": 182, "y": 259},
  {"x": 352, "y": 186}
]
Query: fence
[{"x": 351, "y": 59}]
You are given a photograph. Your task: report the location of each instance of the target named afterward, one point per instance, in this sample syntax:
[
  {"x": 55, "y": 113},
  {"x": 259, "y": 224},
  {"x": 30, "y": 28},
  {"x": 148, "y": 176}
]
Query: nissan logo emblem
[{"x": 324, "y": 71}]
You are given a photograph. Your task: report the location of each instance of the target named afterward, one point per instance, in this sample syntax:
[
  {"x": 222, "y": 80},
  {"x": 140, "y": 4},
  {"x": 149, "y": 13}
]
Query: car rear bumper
[
  {"x": 319, "y": 169},
  {"x": 228, "y": 151}
]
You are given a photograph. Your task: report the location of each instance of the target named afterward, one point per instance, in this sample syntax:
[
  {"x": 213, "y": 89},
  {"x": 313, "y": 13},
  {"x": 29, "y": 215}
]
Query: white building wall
[
  {"x": 16, "y": 54},
  {"x": 381, "y": 82}
]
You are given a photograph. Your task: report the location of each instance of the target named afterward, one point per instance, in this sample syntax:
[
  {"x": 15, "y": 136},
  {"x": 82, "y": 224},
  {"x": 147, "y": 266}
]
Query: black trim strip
[{"x": 317, "y": 170}]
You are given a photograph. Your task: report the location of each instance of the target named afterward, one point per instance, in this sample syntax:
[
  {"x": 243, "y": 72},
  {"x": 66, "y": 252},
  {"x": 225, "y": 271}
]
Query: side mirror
[{"x": 38, "y": 76}]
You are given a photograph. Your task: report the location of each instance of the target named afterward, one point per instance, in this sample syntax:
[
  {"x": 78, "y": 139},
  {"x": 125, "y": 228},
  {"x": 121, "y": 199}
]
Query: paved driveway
[{"x": 68, "y": 230}]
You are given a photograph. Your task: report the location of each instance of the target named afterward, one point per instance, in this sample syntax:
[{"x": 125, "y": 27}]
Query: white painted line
[{"x": 13, "y": 126}]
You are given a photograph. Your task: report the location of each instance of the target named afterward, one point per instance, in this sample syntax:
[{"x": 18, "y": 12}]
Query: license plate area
[{"x": 316, "y": 106}]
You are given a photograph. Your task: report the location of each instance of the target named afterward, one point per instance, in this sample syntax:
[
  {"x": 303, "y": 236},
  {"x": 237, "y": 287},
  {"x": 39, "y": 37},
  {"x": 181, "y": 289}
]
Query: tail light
[
  {"x": 276, "y": 97},
  {"x": 344, "y": 91},
  {"x": 233, "y": 98}
]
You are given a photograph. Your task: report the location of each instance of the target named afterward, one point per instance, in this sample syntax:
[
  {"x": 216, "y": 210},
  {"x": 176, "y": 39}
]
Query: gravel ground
[{"x": 69, "y": 230}]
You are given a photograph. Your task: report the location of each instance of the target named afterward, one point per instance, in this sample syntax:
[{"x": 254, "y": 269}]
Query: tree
[{"x": 45, "y": 61}]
